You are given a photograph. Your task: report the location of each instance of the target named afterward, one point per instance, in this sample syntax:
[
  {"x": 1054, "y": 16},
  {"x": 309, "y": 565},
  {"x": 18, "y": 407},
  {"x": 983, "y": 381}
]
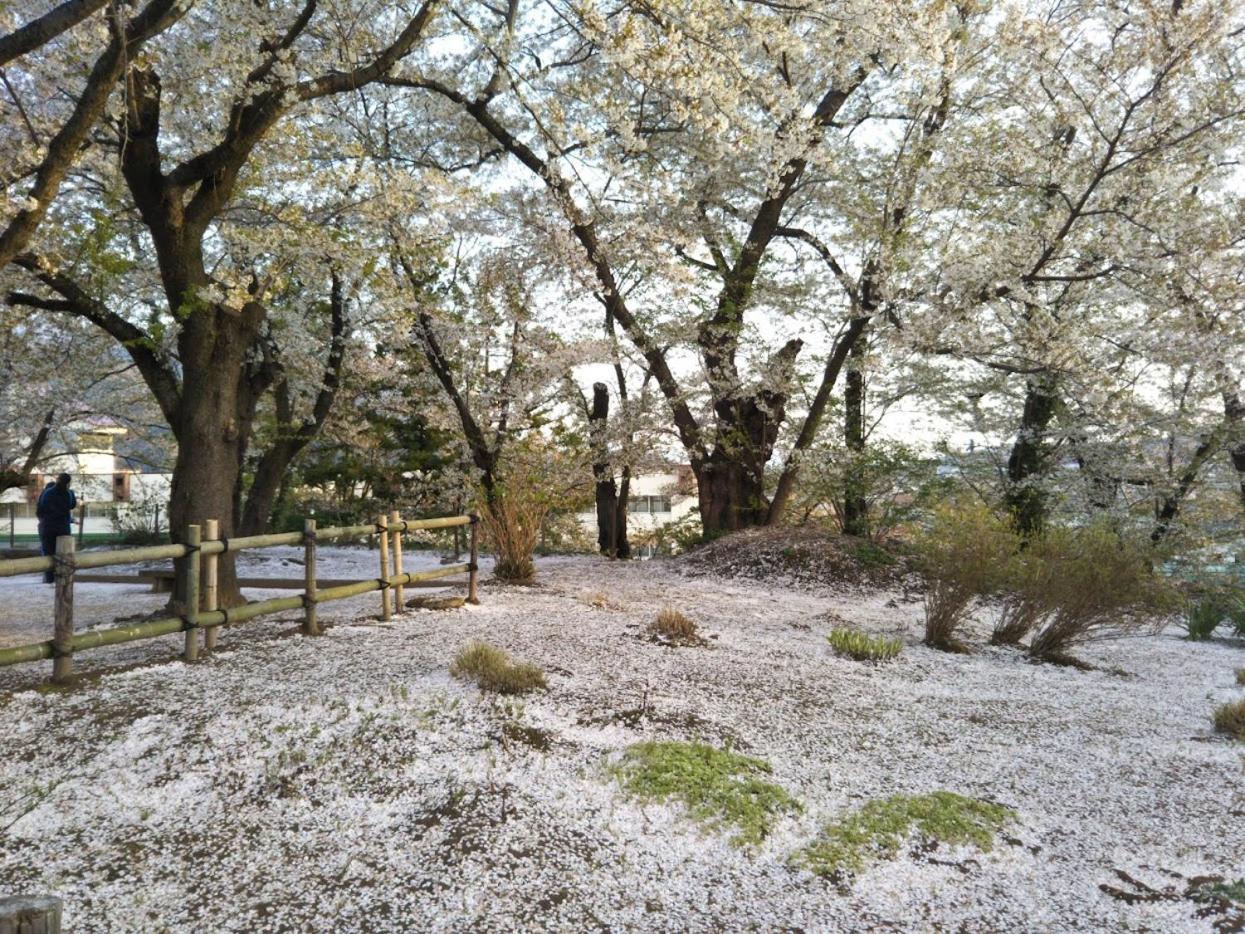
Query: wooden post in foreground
[
  {"x": 473, "y": 568},
  {"x": 311, "y": 624},
  {"x": 62, "y": 632},
  {"x": 191, "y": 590},
  {"x": 81, "y": 522},
  {"x": 382, "y": 533},
  {"x": 12, "y": 525},
  {"x": 211, "y": 533},
  {"x": 395, "y": 519},
  {"x": 30, "y": 914}
]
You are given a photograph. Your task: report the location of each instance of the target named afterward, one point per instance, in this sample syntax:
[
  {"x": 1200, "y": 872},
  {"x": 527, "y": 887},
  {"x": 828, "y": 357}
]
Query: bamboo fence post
[
  {"x": 191, "y": 591},
  {"x": 62, "y": 632},
  {"x": 395, "y": 519},
  {"x": 311, "y": 625},
  {"x": 473, "y": 568},
  {"x": 211, "y": 533},
  {"x": 81, "y": 522},
  {"x": 30, "y": 914},
  {"x": 12, "y": 525},
  {"x": 382, "y": 533}
]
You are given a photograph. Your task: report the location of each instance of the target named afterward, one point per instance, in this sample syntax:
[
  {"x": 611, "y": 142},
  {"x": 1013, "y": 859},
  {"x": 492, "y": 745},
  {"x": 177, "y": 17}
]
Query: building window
[{"x": 650, "y": 504}]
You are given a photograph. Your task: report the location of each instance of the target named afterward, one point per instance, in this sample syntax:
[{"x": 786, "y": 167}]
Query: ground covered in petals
[{"x": 351, "y": 783}]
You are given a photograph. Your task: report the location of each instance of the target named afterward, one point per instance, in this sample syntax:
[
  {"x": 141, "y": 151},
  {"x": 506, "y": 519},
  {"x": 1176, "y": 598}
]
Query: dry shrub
[
  {"x": 964, "y": 553},
  {"x": 1230, "y": 719},
  {"x": 1029, "y": 579},
  {"x": 1240, "y": 676},
  {"x": 512, "y": 523},
  {"x": 1099, "y": 586},
  {"x": 493, "y": 670},
  {"x": 673, "y": 627}
]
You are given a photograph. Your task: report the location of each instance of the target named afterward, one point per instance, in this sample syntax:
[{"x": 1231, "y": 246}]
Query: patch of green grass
[
  {"x": 877, "y": 830},
  {"x": 862, "y": 646},
  {"x": 873, "y": 556},
  {"x": 1232, "y": 891},
  {"x": 720, "y": 788},
  {"x": 494, "y": 670},
  {"x": 1230, "y": 719},
  {"x": 1240, "y": 676}
]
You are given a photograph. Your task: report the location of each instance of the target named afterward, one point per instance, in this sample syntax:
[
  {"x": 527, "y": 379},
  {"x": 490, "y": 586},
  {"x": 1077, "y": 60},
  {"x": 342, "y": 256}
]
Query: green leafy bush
[
  {"x": 862, "y": 646},
  {"x": 494, "y": 670},
  {"x": 1230, "y": 719},
  {"x": 878, "y": 830},
  {"x": 964, "y": 553},
  {"x": 718, "y": 787}
]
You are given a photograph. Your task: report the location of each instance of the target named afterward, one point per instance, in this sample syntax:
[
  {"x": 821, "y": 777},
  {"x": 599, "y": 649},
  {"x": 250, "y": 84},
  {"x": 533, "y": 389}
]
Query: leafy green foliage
[
  {"x": 862, "y": 646},
  {"x": 718, "y": 787},
  {"x": 895, "y": 481},
  {"x": 877, "y": 830},
  {"x": 1230, "y": 719},
  {"x": 1232, "y": 891},
  {"x": 493, "y": 670}
]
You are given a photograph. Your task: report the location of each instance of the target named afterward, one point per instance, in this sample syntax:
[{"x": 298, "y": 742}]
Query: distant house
[
  {"x": 105, "y": 481},
  {"x": 657, "y": 499}
]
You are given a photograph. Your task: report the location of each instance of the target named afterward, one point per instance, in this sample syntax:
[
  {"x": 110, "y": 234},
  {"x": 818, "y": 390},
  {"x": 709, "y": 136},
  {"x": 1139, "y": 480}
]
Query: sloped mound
[{"x": 807, "y": 556}]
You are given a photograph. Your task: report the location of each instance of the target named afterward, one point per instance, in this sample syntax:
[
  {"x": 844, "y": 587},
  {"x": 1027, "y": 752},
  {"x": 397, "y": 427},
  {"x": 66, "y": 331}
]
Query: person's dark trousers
[{"x": 47, "y": 543}]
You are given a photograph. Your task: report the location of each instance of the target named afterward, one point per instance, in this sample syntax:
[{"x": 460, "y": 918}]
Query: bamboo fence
[{"x": 198, "y": 581}]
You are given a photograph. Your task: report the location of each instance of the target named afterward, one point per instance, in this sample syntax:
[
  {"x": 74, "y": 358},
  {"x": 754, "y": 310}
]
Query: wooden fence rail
[{"x": 202, "y": 612}]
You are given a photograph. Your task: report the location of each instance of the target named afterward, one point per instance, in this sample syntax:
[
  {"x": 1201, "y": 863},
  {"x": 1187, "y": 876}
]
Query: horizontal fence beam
[
  {"x": 154, "y": 629},
  {"x": 102, "y": 559}
]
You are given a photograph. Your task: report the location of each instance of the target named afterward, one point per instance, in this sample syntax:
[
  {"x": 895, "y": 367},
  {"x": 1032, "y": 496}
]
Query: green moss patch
[
  {"x": 720, "y": 788},
  {"x": 877, "y": 830}
]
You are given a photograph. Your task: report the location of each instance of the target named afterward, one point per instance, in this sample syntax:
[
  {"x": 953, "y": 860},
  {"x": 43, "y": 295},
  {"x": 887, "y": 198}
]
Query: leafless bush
[
  {"x": 512, "y": 523},
  {"x": 964, "y": 554},
  {"x": 673, "y": 627},
  {"x": 1098, "y": 586}
]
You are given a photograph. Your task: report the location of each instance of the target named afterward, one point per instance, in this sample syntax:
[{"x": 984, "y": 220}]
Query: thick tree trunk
[
  {"x": 855, "y": 506},
  {"x": 213, "y": 427},
  {"x": 1029, "y": 460},
  {"x": 620, "y": 514},
  {"x": 731, "y": 481},
  {"x": 1234, "y": 416}
]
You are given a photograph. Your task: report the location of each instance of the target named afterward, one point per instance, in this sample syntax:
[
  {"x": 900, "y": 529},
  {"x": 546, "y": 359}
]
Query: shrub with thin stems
[
  {"x": 1240, "y": 676},
  {"x": 512, "y": 521},
  {"x": 863, "y": 647},
  {"x": 673, "y": 627},
  {"x": 1028, "y": 581},
  {"x": 964, "y": 554},
  {"x": 493, "y": 670},
  {"x": 1101, "y": 586},
  {"x": 1230, "y": 719}
]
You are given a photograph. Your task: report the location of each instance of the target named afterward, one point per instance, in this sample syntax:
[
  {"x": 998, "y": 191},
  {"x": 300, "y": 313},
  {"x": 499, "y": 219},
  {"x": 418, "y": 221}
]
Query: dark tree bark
[
  {"x": 855, "y": 505},
  {"x": 1234, "y": 413},
  {"x": 16, "y": 475},
  {"x": 45, "y": 28},
  {"x": 611, "y": 506},
  {"x": 210, "y": 401},
  {"x": 123, "y": 47},
  {"x": 1030, "y": 458},
  {"x": 728, "y": 459},
  {"x": 272, "y": 469}
]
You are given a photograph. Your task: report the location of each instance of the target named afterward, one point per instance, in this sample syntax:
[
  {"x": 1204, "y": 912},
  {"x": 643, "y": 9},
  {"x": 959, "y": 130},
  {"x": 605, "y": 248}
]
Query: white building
[
  {"x": 104, "y": 482},
  {"x": 656, "y": 500}
]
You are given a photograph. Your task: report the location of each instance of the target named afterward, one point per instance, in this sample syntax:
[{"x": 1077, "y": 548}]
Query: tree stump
[{"x": 30, "y": 914}]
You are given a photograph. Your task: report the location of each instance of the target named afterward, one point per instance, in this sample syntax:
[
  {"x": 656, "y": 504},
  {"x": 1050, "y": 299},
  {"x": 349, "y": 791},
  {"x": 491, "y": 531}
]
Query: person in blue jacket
[{"x": 55, "y": 512}]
